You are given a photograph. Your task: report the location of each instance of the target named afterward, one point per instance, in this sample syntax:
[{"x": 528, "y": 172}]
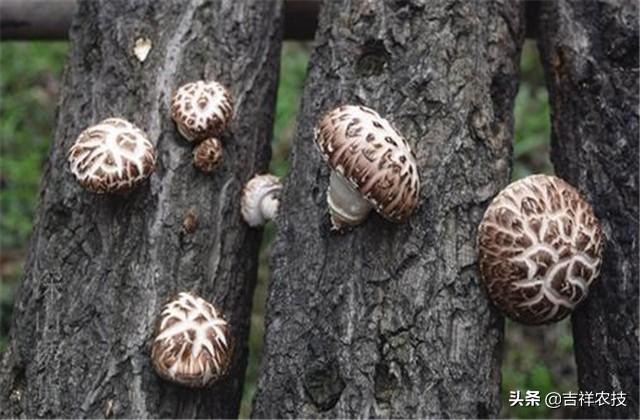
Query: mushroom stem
[{"x": 346, "y": 205}]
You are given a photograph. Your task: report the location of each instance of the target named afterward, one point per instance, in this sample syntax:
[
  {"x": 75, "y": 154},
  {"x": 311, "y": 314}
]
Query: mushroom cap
[
  {"x": 207, "y": 155},
  {"x": 201, "y": 110},
  {"x": 373, "y": 157},
  {"x": 256, "y": 190},
  {"x": 192, "y": 344},
  {"x": 112, "y": 156},
  {"x": 540, "y": 248}
]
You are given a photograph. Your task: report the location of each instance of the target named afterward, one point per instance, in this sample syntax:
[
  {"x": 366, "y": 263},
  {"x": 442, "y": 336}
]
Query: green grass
[
  {"x": 29, "y": 79},
  {"x": 536, "y": 359},
  {"x": 293, "y": 69},
  {"x": 532, "y": 129}
]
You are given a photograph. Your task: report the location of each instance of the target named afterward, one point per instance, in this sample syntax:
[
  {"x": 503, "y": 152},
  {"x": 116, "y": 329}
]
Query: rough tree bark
[
  {"x": 590, "y": 53},
  {"x": 99, "y": 268},
  {"x": 389, "y": 320}
]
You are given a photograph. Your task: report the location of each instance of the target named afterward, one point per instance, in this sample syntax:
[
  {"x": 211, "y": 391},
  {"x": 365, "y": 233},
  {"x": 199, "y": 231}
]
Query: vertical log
[
  {"x": 389, "y": 320},
  {"x": 100, "y": 267},
  {"x": 590, "y": 53}
]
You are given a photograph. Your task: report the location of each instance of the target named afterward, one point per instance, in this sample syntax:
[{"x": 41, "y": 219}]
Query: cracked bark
[
  {"x": 389, "y": 320},
  {"x": 99, "y": 268},
  {"x": 590, "y": 54}
]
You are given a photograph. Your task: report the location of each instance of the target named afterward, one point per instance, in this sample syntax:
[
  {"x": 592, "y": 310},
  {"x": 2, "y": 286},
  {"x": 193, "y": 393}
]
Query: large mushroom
[
  {"x": 192, "y": 344},
  {"x": 260, "y": 199},
  {"x": 540, "y": 249},
  {"x": 372, "y": 166},
  {"x": 201, "y": 110},
  {"x": 112, "y": 156}
]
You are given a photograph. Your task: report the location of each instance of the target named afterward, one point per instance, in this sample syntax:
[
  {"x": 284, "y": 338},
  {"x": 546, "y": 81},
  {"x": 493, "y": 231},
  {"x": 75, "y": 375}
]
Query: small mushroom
[
  {"x": 141, "y": 48},
  {"x": 201, "y": 110},
  {"x": 112, "y": 156},
  {"x": 207, "y": 155},
  {"x": 192, "y": 344},
  {"x": 539, "y": 248},
  {"x": 190, "y": 221},
  {"x": 260, "y": 199},
  {"x": 372, "y": 166}
]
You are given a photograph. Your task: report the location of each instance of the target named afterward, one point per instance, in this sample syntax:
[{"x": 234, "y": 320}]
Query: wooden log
[
  {"x": 590, "y": 55},
  {"x": 390, "y": 320},
  {"x": 99, "y": 268}
]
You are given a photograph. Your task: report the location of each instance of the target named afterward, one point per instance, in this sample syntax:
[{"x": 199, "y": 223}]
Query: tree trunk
[
  {"x": 100, "y": 267},
  {"x": 590, "y": 53},
  {"x": 389, "y": 320}
]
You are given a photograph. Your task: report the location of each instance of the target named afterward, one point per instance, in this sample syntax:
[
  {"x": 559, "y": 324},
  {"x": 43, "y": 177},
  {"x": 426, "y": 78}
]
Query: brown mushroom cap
[
  {"x": 112, "y": 156},
  {"x": 540, "y": 248},
  {"x": 193, "y": 344},
  {"x": 201, "y": 110},
  {"x": 208, "y": 155},
  {"x": 370, "y": 154}
]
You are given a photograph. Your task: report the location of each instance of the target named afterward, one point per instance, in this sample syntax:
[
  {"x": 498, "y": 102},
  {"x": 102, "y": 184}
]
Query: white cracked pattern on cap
[
  {"x": 201, "y": 110},
  {"x": 192, "y": 345},
  {"x": 112, "y": 156},
  {"x": 540, "y": 249}
]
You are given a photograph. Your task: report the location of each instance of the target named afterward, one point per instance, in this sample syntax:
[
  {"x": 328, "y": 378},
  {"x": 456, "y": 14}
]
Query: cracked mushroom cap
[
  {"x": 192, "y": 344},
  {"x": 260, "y": 199},
  {"x": 373, "y": 157},
  {"x": 208, "y": 155},
  {"x": 201, "y": 110},
  {"x": 112, "y": 156},
  {"x": 540, "y": 249}
]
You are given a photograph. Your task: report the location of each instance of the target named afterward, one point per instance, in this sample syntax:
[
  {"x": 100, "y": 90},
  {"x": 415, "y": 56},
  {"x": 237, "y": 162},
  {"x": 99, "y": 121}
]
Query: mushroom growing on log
[
  {"x": 540, "y": 249},
  {"x": 112, "y": 156},
  {"x": 201, "y": 110},
  {"x": 207, "y": 155},
  {"x": 260, "y": 199},
  {"x": 192, "y": 344},
  {"x": 372, "y": 166}
]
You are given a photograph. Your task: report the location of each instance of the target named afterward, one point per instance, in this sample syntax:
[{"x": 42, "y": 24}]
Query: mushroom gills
[
  {"x": 269, "y": 205},
  {"x": 260, "y": 199},
  {"x": 346, "y": 205},
  {"x": 184, "y": 133}
]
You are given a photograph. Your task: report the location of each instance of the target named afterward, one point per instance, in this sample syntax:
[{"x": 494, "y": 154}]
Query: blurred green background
[{"x": 536, "y": 358}]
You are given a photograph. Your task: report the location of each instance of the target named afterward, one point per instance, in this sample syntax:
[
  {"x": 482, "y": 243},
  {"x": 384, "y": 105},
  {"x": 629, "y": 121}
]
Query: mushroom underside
[
  {"x": 269, "y": 206},
  {"x": 260, "y": 200},
  {"x": 347, "y": 206}
]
